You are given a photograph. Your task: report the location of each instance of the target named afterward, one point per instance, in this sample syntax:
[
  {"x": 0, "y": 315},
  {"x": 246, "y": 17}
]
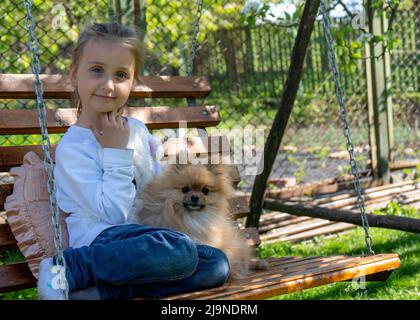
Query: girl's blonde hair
[{"x": 110, "y": 31}]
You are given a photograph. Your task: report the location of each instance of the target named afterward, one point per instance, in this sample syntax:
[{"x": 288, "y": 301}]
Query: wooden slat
[
  {"x": 326, "y": 276},
  {"x": 333, "y": 227},
  {"x": 288, "y": 229},
  {"x": 239, "y": 206},
  {"x": 13, "y": 156},
  {"x": 273, "y": 216},
  {"x": 279, "y": 280},
  {"x": 58, "y": 121},
  {"x": 317, "y": 188},
  {"x": 352, "y": 193},
  {"x": 218, "y": 146},
  {"x": 368, "y": 197},
  {"x": 295, "y": 228},
  {"x": 5, "y": 190},
  {"x": 275, "y": 225},
  {"x": 279, "y": 268},
  {"x": 21, "y": 86},
  {"x": 15, "y": 277},
  {"x": 7, "y": 239}
]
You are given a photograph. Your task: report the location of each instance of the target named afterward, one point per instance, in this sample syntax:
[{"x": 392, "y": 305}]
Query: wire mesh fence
[
  {"x": 313, "y": 147},
  {"x": 405, "y": 85},
  {"x": 247, "y": 66}
]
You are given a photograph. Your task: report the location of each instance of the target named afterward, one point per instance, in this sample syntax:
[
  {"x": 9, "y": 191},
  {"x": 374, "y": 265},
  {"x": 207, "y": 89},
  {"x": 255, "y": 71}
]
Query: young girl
[{"x": 102, "y": 162}]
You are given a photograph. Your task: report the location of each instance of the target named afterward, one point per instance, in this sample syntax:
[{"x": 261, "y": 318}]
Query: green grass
[
  {"x": 26, "y": 294},
  {"x": 403, "y": 284}
]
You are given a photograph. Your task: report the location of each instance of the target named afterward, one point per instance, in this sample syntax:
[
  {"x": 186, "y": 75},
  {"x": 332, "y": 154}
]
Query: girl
[{"x": 102, "y": 161}]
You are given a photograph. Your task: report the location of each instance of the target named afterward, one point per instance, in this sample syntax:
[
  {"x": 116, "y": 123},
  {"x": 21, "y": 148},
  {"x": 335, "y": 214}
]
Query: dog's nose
[{"x": 194, "y": 198}]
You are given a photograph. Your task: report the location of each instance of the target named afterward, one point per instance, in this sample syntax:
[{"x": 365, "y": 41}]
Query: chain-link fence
[
  {"x": 256, "y": 62},
  {"x": 405, "y": 71},
  {"x": 247, "y": 66}
]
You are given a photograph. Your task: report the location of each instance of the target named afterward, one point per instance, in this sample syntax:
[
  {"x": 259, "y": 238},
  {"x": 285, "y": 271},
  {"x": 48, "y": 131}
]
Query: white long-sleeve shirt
[{"x": 96, "y": 185}]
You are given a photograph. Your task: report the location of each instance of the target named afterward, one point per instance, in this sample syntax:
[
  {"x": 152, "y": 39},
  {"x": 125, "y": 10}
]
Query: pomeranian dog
[{"x": 193, "y": 199}]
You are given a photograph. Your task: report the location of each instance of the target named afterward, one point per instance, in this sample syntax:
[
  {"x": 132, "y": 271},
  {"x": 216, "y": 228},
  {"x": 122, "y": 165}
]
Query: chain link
[
  {"x": 344, "y": 117},
  {"x": 193, "y": 48},
  {"x": 46, "y": 146},
  {"x": 192, "y": 101}
]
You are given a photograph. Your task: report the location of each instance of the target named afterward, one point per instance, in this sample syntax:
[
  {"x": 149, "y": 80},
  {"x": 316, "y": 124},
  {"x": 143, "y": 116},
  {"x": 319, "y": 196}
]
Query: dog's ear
[
  {"x": 177, "y": 167},
  {"x": 216, "y": 169}
]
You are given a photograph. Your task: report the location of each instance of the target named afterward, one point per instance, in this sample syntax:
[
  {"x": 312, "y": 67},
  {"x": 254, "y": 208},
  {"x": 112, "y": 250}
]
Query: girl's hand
[{"x": 115, "y": 131}]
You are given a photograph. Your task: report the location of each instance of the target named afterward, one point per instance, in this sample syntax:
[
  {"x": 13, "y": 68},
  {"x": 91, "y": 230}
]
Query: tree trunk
[
  {"x": 284, "y": 110},
  {"x": 227, "y": 48}
]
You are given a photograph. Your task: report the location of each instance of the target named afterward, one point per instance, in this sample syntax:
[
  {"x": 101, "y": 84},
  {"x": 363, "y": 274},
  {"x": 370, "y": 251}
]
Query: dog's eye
[
  {"x": 185, "y": 189},
  {"x": 205, "y": 190}
]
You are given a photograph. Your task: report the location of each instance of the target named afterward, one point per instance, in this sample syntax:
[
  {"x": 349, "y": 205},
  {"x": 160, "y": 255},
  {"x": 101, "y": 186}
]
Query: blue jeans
[{"x": 129, "y": 261}]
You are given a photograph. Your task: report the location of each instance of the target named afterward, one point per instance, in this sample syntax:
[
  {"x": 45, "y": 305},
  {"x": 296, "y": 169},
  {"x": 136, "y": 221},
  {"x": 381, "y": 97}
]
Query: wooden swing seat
[{"x": 284, "y": 275}]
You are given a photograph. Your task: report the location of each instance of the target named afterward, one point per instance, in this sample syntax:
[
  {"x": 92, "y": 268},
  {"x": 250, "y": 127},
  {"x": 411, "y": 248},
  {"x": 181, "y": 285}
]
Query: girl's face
[{"x": 103, "y": 77}]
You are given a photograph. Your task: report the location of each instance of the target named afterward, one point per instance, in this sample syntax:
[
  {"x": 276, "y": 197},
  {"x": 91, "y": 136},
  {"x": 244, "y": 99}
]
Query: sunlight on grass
[{"x": 404, "y": 283}]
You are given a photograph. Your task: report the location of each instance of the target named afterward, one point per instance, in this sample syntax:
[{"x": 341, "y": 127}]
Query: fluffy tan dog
[{"x": 193, "y": 199}]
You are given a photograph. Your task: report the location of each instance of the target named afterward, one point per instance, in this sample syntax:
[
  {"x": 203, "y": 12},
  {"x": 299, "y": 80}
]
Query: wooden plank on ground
[
  {"x": 352, "y": 193},
  {"x": 333, "y": 227},
  {"x": 295, "y": 228},
  {"x": 317, "y": 187},
  {"x": 276, "y": 225}
]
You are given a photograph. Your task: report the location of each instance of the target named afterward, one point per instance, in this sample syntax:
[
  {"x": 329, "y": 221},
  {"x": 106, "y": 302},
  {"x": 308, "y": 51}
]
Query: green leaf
[
  {"x": 356, "y": 45},
  {"x": 356, "y": 55},
  {"x": 376, "y": 39}
]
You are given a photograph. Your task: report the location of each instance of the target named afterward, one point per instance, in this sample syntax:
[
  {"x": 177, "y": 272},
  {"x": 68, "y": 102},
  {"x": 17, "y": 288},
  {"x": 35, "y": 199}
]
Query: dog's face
[{"x": 196, "y": 188}]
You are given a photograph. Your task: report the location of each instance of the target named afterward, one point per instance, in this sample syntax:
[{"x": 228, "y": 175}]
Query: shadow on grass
[{"x": 392, "y": 245}]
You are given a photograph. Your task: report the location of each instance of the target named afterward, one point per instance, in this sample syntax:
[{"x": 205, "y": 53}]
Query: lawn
[{"x": 403, "y": 284}]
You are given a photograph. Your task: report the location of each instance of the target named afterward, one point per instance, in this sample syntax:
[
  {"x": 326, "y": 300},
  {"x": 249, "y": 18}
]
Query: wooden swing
[{"x": 284, "y": 275}]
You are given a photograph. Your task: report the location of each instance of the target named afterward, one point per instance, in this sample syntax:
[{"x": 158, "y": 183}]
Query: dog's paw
[{"x": 258, "y": 264}]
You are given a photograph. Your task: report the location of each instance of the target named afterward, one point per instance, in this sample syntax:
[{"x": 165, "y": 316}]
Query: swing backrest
[{"x": 23, "y": 122}]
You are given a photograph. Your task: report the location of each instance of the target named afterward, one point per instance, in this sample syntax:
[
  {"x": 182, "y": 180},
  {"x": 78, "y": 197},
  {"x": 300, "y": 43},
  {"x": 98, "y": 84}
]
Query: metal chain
[
  {"x": 46, "y": 146},
  {"x": 193, "y": 48},
  {"x": 192, "y": 102},
  {"x": 339, "y": 93}
]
